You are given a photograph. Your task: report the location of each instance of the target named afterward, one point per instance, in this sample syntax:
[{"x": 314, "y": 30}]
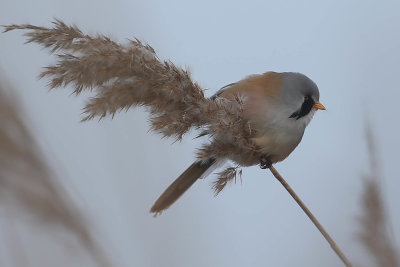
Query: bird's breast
[{"x": 277, "y": 135}]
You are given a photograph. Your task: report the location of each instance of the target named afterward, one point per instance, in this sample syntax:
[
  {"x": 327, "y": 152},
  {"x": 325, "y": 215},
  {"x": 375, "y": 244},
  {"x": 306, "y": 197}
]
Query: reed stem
[{"x": 303, "y": 206}]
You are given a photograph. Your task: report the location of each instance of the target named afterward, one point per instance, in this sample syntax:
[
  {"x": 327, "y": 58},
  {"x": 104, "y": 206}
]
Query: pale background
[{"x": 115, "y": 169}]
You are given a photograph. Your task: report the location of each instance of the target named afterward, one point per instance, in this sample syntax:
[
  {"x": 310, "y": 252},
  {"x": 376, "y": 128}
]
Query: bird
[{"x": 278, "y": 106}]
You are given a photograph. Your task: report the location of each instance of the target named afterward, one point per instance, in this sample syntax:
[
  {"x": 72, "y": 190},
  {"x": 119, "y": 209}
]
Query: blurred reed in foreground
[
  {"x": 27, "y": 185},
  {"x": 375, "y": 227}
]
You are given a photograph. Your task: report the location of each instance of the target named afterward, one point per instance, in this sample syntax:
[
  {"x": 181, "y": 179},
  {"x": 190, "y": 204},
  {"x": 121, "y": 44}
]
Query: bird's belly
[{"x": 278, "y": 141}]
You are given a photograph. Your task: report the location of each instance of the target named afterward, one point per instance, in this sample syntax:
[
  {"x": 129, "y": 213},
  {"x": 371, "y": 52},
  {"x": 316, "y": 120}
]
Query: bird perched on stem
[
  {"x": 258, "y": 120},
  {"x": 277, "y": 106}
]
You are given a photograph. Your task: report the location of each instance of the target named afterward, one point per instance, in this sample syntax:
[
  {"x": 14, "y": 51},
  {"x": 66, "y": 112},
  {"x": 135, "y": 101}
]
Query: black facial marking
[{"x": 305, "y": 108}]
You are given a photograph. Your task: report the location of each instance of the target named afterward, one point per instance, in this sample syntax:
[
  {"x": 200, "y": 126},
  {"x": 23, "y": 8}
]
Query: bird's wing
[
  {"x": 220, "y": 91},
  {"x": 213, "y": 97}
]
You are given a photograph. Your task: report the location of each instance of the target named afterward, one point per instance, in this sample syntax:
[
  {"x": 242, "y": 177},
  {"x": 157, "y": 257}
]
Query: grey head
[{"x": 300, "y": 94}]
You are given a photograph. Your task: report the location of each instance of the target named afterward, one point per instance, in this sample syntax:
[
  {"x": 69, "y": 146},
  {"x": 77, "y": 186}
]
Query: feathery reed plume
[
  {"x": 228, "y": 175},
  {"x": 124, "y": 76},
  {"x": 27, "y": 186},
  {"x": 375, "y": 226}
]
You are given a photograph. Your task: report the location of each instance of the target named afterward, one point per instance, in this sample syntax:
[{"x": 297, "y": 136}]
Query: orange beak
[{"x": 319, "y": 106}]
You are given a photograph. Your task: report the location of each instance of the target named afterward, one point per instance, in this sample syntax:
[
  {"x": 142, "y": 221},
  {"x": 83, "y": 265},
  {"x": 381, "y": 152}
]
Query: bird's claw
[{"x": 265, "y": 162}]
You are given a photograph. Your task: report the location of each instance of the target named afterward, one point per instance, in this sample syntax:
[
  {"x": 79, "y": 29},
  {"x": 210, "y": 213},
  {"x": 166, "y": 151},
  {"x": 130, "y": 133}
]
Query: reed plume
[
  {"x": 228, "y": 175},
  {"x": 122, "y": 76}
]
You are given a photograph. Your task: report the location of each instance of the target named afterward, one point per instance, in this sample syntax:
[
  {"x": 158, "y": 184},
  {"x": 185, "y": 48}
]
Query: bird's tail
[{"x": 181, "y": 184}]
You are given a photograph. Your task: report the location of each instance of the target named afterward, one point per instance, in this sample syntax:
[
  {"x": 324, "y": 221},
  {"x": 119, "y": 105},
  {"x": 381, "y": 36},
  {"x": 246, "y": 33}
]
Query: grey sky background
[{"x": 115, "y": 169}]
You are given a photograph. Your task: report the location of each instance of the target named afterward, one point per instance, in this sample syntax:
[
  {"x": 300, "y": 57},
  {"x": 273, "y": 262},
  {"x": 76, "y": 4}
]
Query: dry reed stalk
[
  {"x": 125, "y": 76},
  {"x": 314, "y": 220},
  {"x": 27, "y": 185},
  {"x": 374, "y": 222}
]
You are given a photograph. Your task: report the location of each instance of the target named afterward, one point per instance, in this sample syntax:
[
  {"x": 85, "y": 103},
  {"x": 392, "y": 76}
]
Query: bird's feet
[{"x": 265, "y": 161}]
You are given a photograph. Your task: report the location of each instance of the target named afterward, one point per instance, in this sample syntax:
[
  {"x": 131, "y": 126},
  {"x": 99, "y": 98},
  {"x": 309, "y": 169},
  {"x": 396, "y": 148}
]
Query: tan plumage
[{"x": 265, "y": 85}]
